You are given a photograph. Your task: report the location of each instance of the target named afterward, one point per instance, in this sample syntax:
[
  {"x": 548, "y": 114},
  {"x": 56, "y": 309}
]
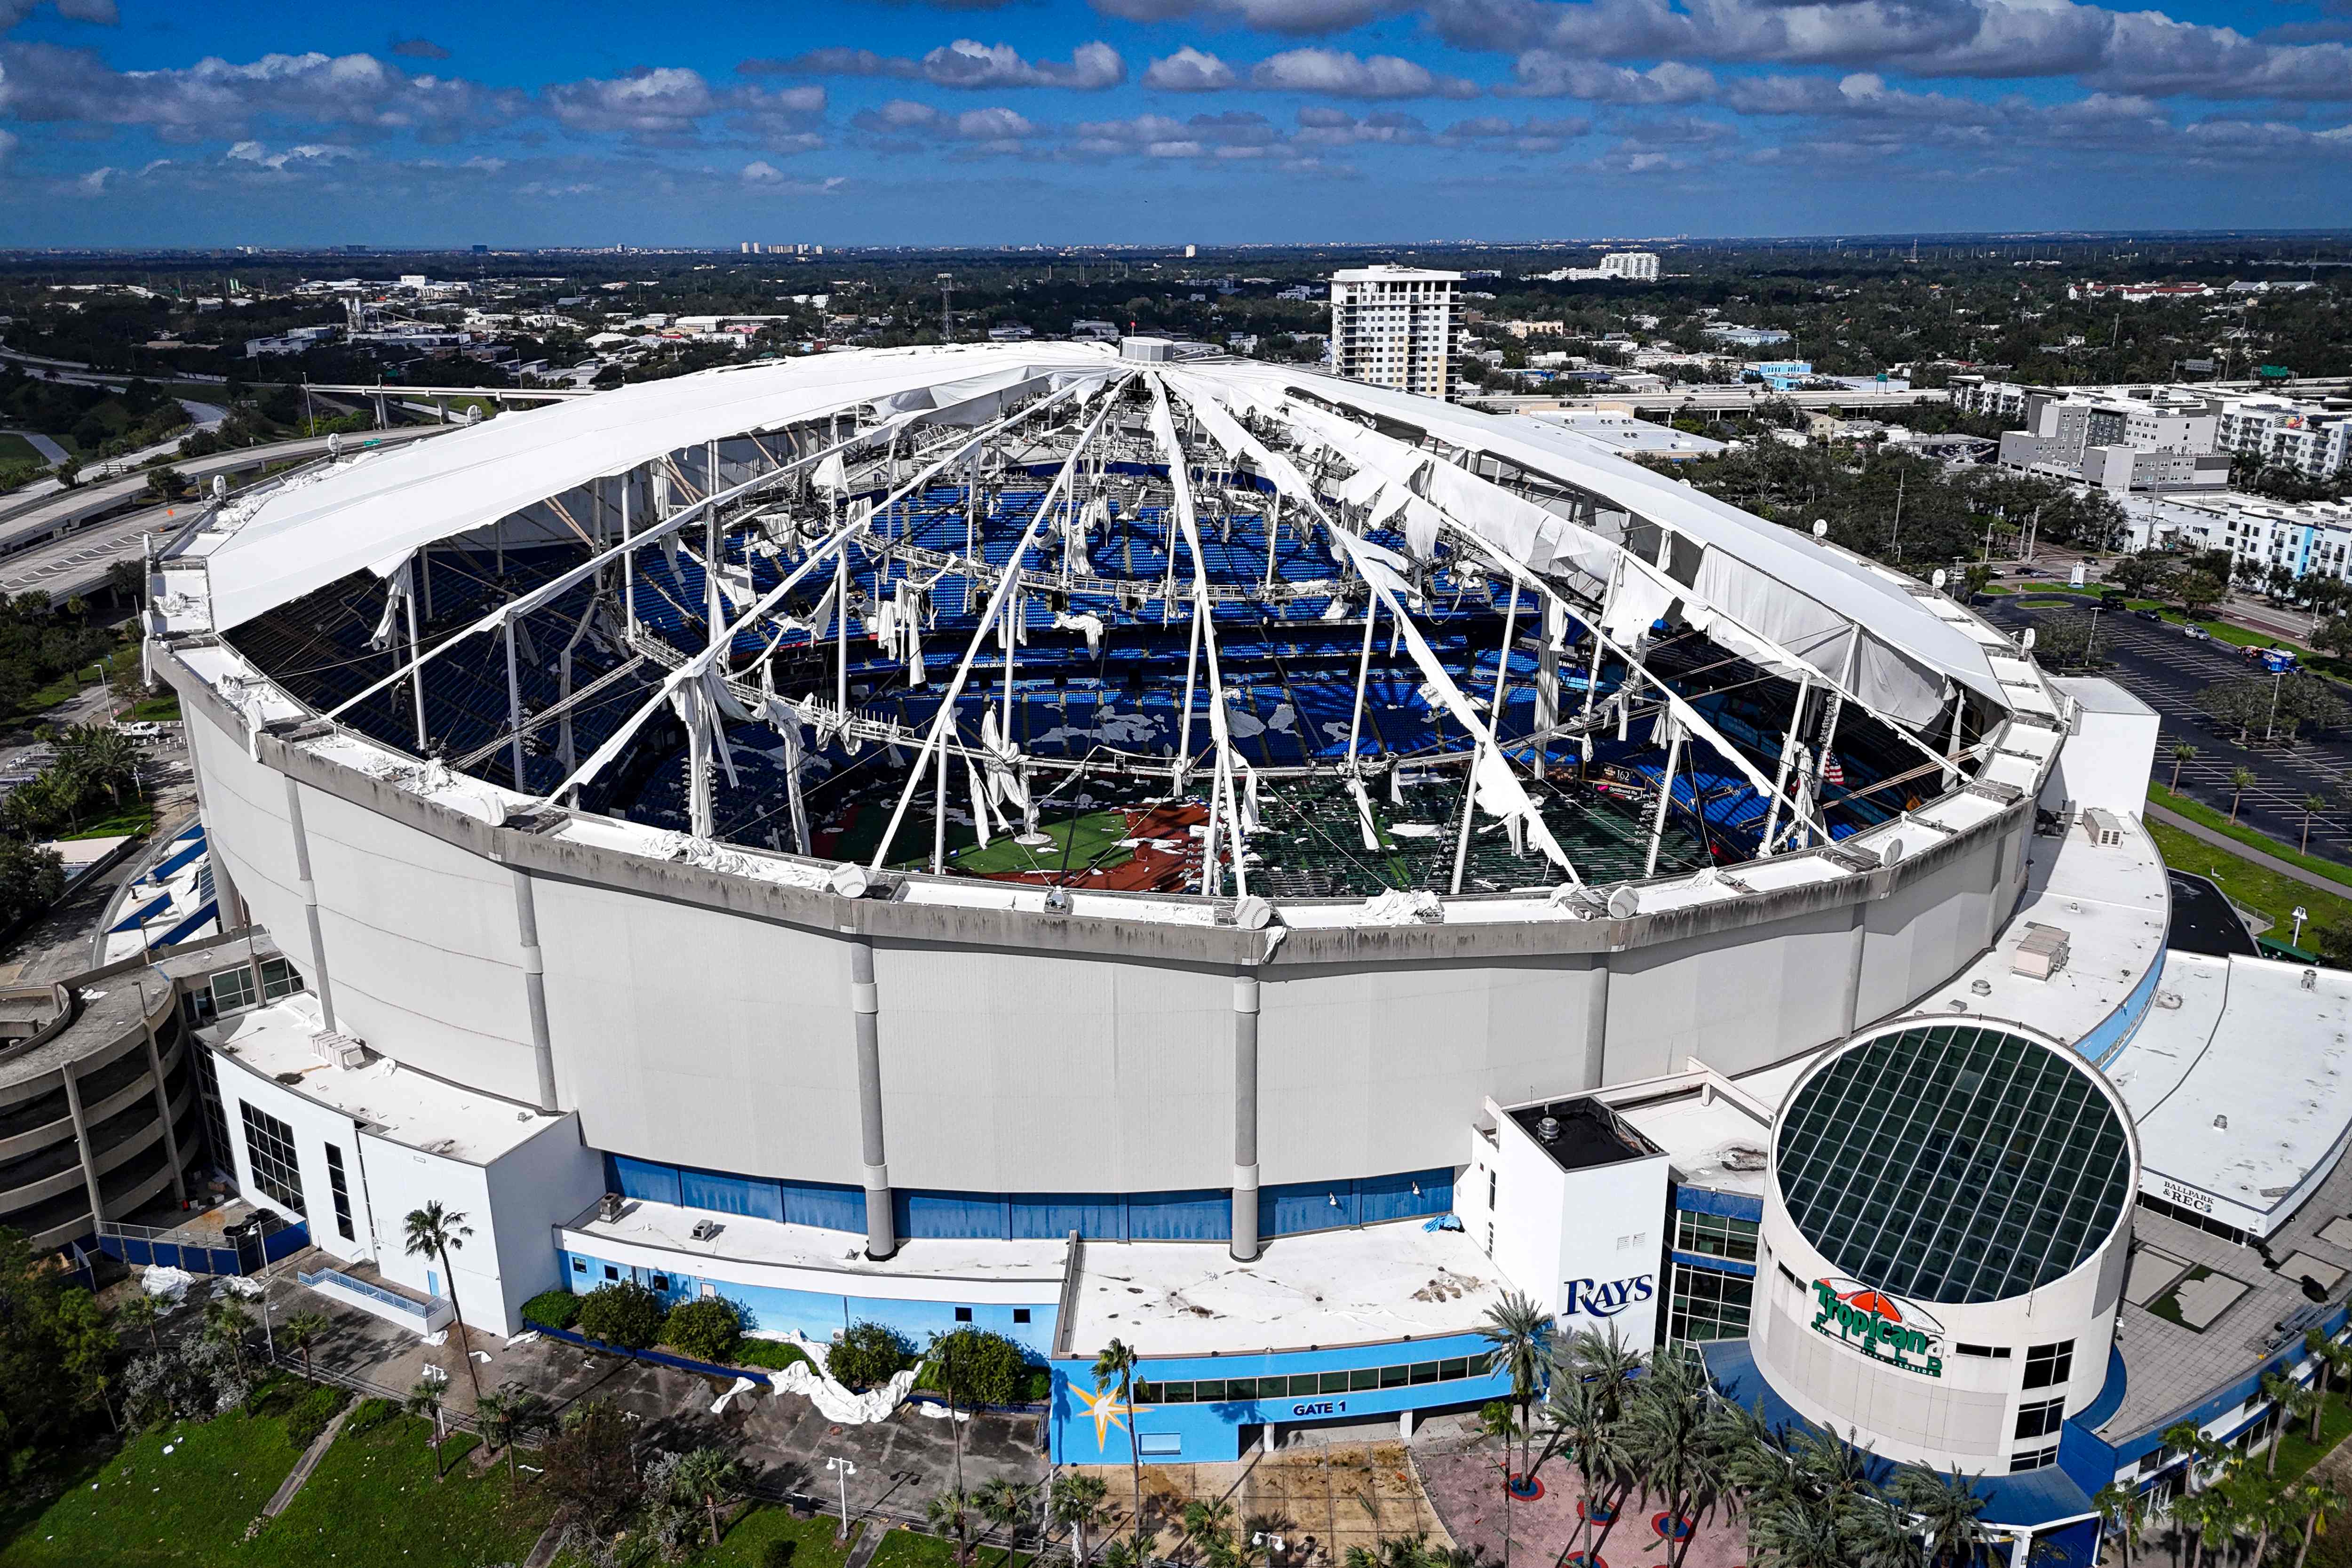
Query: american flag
[{"x": 1834, "y": 772}]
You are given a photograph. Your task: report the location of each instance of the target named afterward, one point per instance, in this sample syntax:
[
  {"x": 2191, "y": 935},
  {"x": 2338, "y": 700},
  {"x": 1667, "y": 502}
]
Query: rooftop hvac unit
[
  {"x": 2103, "y": 826},
  {"x": 704, "y": 1229},
  {"x": 2042, "y": 953},
  {"x": 609, "y": 1207},
  {"x": 338, "y": 1049}
]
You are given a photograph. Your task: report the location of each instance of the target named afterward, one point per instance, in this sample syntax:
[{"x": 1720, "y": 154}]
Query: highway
[{"x": 88, "y": 536}]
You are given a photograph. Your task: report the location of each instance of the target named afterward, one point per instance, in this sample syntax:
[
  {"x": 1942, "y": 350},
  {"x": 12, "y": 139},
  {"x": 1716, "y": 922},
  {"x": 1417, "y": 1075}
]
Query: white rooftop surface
[
  {"x": 2249, "y": 1046},
  {"x": 2113, "y": 904},
  {"x": 1624, "y": 433},
  {"x": 399, "y": 1103},
  {"x": 1335, "y": 1287},
  {"x": 746, "y": 1238},
  {"x": 1712, "y": 1141}
]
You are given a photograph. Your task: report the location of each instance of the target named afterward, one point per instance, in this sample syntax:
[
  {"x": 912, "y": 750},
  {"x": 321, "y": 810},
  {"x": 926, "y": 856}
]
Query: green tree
[
  {"x": 707, "y": 1328},
  {"x": 1208, "y": 1523},
  {"x": 2241, "y": 780},
  {"x": 432, "y": 1232},
  {"x": 502, "y": 1412},
  {"x": 949, "y": 1513},
  {"x": 139, "y": 1313},
  {"x": 2120, "y": 1511},
  {"x": 1673, "y": 1440},
  {"x": 2312, "y": 805},
  {"x": 2198, "y": 592},
  {"x": 226, "y": 1324},
  {"x": 2183, "y": 753},
  {"x": 87, "y": 1346},
  {"x": 1949, "y": 1510},
  {"x": 590, "y": 1465},
  {"x": 710, "y": 1476},
  {"x": 302, "y": 1331},
  {"x": 1518, "y": 1335},
  {"x": 621, "y": 1313},
  {"x": 1076, "y": 1501},
  {"x": 1004, "y": 1503},
  {"x": 1116, "y": 1364},
  {"x": 867, "y": 1355},
  {"x": 2292, "y": 1402},
  {"x": 2317, "y": 1502},
  {"x": 424, "y": 1399}
]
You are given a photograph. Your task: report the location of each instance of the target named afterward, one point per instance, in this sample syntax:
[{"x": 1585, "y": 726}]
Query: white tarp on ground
[
  {"x": 388, "y": 502},
  {"x": 835, "y": 1401}
]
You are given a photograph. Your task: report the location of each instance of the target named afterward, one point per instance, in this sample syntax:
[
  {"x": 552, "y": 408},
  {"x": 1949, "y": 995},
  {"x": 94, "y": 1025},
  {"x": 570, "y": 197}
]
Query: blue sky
[{"x": 1159, "y": 122}]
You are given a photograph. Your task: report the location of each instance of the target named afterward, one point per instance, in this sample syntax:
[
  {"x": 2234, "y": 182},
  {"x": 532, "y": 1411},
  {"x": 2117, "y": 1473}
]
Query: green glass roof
[{"x": 1954, "y": 1162}]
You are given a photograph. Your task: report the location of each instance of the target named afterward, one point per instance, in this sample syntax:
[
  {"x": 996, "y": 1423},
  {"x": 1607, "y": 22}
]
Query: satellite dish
[
  {"x": 220, "y": 487},
  {"x": 1252, "y": 912},
  {"x": 848, "y": 879},
  {"x": 1057, "y": 900},
  {"x": 334, "y": 443},
  {"x": 1937, "y": 579},
  {"x": 1624, "y": 904},
  {"x": 2026, "y": 642},
  {"x": 1891, "y": 852},
  {"x": 1821, "y": 528}
]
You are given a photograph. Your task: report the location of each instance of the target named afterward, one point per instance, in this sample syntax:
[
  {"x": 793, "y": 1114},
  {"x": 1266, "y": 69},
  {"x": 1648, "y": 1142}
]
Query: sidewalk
[{"x": 2203, "y": 834}]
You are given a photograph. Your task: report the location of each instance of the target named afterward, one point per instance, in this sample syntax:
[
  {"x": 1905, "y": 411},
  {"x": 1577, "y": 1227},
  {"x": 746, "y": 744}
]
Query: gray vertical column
[
  {"x": 865, "y": 1006},
  {"x": 1245, "y": 1246},
  {"x": 534, "y": 985},
  {"x": 309, "y": 891},
  {"x": 81, "y": 1144},
  {"x": 164, "y": 1098},
  {"x": 1596, "y": 1022},
  {"x": 1858, "y": 948}
]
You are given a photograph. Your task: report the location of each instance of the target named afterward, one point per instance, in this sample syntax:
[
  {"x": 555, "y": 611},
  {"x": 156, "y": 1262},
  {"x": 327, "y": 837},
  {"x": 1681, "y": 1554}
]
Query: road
[
  {"x": 2166, "y": 670},
  {"x": 77, "y": 516}
]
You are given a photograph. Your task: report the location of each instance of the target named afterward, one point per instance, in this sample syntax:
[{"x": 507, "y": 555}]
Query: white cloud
[
  {"x": 1542, "y": 73},
  {"x": 760, "y": 173},
  {"x": 1190, "y": 71},
  {"x": 1339, "y": 74},
  {"x": 653, "y": 103},
  {"x": 308, "y": 152},
  {"x": 1299, "y": 18},
  {"x": 94, "y": 183},
  {"x": 966, "y": 63}
]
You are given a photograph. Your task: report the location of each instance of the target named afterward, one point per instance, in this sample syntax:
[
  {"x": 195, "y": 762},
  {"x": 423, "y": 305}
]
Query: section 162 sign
[{"x": 1883, "y": 1327}]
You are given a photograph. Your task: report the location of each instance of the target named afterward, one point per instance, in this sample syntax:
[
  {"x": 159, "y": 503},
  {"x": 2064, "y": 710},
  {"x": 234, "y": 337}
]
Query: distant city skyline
[{"x": 127, "y": 123}]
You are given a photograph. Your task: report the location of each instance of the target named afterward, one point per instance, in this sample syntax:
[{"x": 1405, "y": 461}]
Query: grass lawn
[
  {"x": 2253, "y": 885},
  {"x": 373, "y": 1499},
  {"x": 2297, "y": 1453},
  {"x": 2205, "y": 816},
  {"x": 906, "y": 1549},
  {"x": 144, "y": 1505},
  {"x": 748, "y": 1542},
  {"x": 160, "y": 710},
  {"x": 15, "y": 448},
  {"x": 132, "y": 816}
]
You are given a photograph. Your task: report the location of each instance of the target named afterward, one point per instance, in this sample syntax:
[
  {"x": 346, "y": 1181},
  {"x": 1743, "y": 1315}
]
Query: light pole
[
  {"x": 2301, "y": 915},
  {"x": 2276, "y": 676},
  {"x": 845, "y": 1469}
]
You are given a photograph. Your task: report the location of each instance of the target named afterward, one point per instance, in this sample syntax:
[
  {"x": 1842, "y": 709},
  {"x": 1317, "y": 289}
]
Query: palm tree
[
  {"x": 949, "y": 1358},
  {"x": 425, "y": 1399},
  {"x": 1577, "y": 1417},
  {"x": 302, "y": 1331},
  {"x": 2311, "y": 803},
  {"x": 2241, "y": 780},
  {"x": 2335, "y": 1361},
  {"x": 1519, "y": 1336},
  {"x": 712, "y": 1476},
  {"x": 1878, "y": 1532},
  {"x": 1946, "y": 1506},
  {"x": 2293, "y": 1402},
  {"x": 1496, "y": 1420},
  {"x": 502, "y": 1412},
  {"x": 952, "y": 1512},
  {"x": 226, "y": 1323},
  {"x": 2315, "y": 1346},
  {"x": 2272, "y": 1514},
  {"x": 1128, "y": 1551},
  {"x": 1670, "y": 1434},
  {"x": 1790, "y": 1533},
  {"x": 140, "y": 1311},
  {"x": 2316, "y": 1501},
  {"x": 431, "y": 1233},
  {"x": 1004, "y": 1503},
  {"x": 1117, "y": 1364},
  {"x": 2119, "y": 1509},
  {"x": 1077, "y": 1501},
  {"x": 1208, "y": 1521},
  {"x": 2183, "y": 753}
]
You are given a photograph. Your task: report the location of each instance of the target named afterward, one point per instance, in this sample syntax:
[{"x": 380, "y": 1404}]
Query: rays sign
[{"x": 1883, "y": 1327}]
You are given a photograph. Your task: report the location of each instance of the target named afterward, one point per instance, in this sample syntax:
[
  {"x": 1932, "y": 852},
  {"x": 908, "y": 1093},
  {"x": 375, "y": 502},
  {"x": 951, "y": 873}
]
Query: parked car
[
  {"x": 2149, "y": 614},
  {"x": 2192, "y": 630}
]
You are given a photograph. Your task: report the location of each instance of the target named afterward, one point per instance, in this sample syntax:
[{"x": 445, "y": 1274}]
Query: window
[
  {"x": 2048, "y": 1367},
  {"x": 270, "y": 1150},
  {"x": 1707, "y": 1305},
  {"x": 1301, "y": 1385},
  {"x": 610, "y": 1272},
  {"x": 232, "y": 989},
  {"x": 1993, "y": 1352},
  {"x": 580, "y": 1266},
  {"x": 279, "y": 978},
  {"x": 661, "y": 1282},
  {"x": 343, "y": 1193},
  {"x": 2032, "y": 1459},
  {"x": 215, "y": 1123},
  {"x": 1161, "y": 1442},
  {"x": 2042, "y": 1418},
  {"x": 1714, "y": 1236},
  {"x": 1020, "y": 1314}
]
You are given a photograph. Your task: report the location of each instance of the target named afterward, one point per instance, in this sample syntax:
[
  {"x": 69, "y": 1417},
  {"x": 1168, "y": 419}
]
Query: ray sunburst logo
[{"x": 1883, "y": 1327}]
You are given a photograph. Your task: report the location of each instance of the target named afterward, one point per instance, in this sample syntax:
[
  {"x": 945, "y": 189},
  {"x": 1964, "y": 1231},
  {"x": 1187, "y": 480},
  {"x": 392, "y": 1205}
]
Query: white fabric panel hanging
[{"x": 399, "y": 587}]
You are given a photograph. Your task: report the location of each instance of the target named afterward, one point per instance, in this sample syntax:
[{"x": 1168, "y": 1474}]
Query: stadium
[{"x": 1122, "y": 842}]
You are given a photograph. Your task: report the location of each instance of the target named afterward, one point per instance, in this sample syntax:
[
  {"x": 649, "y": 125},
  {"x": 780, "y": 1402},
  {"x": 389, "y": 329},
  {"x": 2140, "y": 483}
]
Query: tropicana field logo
[{"x": 1883, "y": 1327}]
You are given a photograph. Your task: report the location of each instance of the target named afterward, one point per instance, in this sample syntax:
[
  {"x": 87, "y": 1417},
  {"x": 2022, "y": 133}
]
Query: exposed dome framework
[{"x": 1185, "y": 626}]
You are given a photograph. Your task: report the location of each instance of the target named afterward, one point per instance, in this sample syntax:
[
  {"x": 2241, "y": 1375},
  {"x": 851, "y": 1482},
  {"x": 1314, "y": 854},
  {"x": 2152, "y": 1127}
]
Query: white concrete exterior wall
[
  {"x": 690, "y": 1024},
  {"x": 2108, "y": 756},
  {"x": 314, "y": 1127},
  {"x": 1584, "y": 1243}
]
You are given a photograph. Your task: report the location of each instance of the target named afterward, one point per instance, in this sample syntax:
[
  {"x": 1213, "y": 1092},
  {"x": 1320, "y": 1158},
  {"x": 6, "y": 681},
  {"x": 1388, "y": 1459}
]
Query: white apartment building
[
  {"x": 1398, "y": 327},
  {"x": 1633, "y": 266},
  {"x": 2312, "y": 439},
  {"x": 2307, "y": 538}
]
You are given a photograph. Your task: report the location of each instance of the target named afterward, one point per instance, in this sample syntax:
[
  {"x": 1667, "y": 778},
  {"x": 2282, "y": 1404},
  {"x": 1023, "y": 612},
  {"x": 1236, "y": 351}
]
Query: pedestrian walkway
[
  {"x": 2244, "y": 851},
  {"x": 305, "y": 1465}
]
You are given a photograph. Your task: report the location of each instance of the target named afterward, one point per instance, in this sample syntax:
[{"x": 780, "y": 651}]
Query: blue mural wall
[
  {"x": 822, "y": 1314},
  {"x": 1289, "y": 1388}
]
